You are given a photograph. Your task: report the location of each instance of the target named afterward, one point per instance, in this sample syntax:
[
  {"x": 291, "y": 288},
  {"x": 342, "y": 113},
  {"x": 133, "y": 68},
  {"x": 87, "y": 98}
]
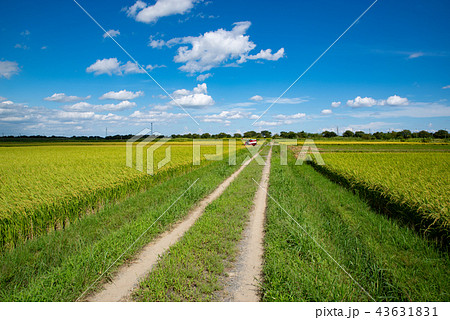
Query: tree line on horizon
[{"x": 402, "y": 135}]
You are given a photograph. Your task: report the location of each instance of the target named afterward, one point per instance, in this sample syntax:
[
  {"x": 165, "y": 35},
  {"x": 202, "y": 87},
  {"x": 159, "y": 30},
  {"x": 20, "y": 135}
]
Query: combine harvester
[{"x": 251, "y": 142}]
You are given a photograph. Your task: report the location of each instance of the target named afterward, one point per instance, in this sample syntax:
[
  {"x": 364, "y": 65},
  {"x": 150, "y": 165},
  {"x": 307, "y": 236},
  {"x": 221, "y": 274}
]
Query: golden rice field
[
  {"x": 46, "y": 186},
  {"x": 418, "y": 181}
]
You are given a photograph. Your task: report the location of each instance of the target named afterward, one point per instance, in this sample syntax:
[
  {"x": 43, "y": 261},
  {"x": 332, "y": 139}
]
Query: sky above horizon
[{"x": 217, "y": 66}]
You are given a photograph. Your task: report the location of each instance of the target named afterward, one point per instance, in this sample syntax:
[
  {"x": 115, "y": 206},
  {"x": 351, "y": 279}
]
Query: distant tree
[
  {"x": 348, "y": 134},
  {"x": 441, "y": 134},
  {"x": 424, "y": 134},
  {"x": 284, "y": 134},
  {"x": 329, "y": 134},
  {"x": 206, "y": 135},
  {"x": 359, "y": 134},
  {"x": 379, "y": 135},
  {"x": 222, "y": 135},
  {"x": 302, "y": 135},
  {"x": 276, "y": 136},
  {"x": 249, "y": 134},
  {"x": 237, "y": 135},
  {"x": 405, "y": 134},
  {"x": 266, "y": 134},
  {"x": 291, "y": 135}
]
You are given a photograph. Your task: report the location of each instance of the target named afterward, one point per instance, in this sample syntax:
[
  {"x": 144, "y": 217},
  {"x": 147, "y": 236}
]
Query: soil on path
[
  {"x": 129, "y": 276},
  {"x": 245, "y": 278}
]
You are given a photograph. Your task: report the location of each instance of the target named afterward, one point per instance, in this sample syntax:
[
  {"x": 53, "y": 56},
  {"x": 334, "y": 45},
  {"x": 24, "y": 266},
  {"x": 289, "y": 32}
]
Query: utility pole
[
  {"x": 151, "y": 129},
  {"x": 337, "y": 130},
  {"x": 106, "y": 134}
]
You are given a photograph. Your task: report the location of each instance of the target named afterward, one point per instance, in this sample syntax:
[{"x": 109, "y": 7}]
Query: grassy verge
[
  {"x": 59, "y": 266},
  {"x": 191, "y": 271},
  {"x": 390, "y": 261}
]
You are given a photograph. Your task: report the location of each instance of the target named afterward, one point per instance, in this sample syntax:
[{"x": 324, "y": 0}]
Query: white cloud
[
  {"x": 335, "y": 104},
  {"x": 268, "y": 123},
  {"x": 326, "y": 111},
  {"x": 413, "y": 110},
  {"x": 156, "y": 116},
  {"x": 397, "y": 101},
  {"x": 113, "y": 66},
  {"x": 214, "y": 48},
  {"x": 162, "y": 107},
  {"x": 265, "y": 55},
  {"x": 290, "y": 116},
  {"x": 197, "y": 98},
  {"x": 416, "y": 55},
  {"x": 105, "y": 66},
  {"x": 8, "y": 69},
  {"x": 361, "y": 102},
  {"x": 112, "y": 33},
  {"x": 21, "y": 46},
  {"x": 241, "y": 104},
  {"x": 256, "y": 98},
  {"x": 121, "y": 95},
  {"x": 154, "y": 66},
  {"x": 25, "y": 33},
  {"x": 84, "y": 106},
  {"x": 157, "y": 44},
  {"x": 446, "y": 87},
  {"x": 286, "y": 100},
  {"x": 2, "y": 99},
  {"x": 226, "y": 116},
  {"x": 203, "y": 77},
  {"x": 142, "y": 12},
  {"x": 43, "y": 47},
  {"x": 131, "y": 67},
  {"x": 62, "y": 97}
]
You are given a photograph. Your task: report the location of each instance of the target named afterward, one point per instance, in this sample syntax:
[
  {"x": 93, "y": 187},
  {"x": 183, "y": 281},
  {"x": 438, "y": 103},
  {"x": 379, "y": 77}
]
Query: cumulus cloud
[
  {"x": 121, "y": 95},
  {"x": 326, "y": 111},
  {"x": 113, "y": 66},
  {"x": 397, "y": 101},
  {"x": 197, "y": 98},
  {"x": 84, "y": 106},
  {"x": 290, "y": 116},
  {"x": 143, "y": 12},
  {"x": 214, "y": 48},
  {"x": 156, "y": 116},
  {"x": 361, "y": 102},
  {"x": 8, "y": 69},
  {"x": 157, "y": 44},
  {"x": 154, "y": 66},
  {"x": 369, "y": 102},
  {"x": 263, "y": 123},
  {"x": 335, "y": 104},
  {"x": 256, "y": 98},
  {"x": 203, "y": 77},
  {"x": 131, "y": 67},
  {"x": 112, "y": 33},
  {"x": 226, "y": 116},
  {"x": 446, "y": 87},
  {"x": 62, "y": 97},
  {"x": 265, "y": 55}
]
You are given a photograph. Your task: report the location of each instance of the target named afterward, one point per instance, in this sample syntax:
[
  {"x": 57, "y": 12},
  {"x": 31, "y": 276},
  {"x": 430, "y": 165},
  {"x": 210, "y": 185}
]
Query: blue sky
[{"x": 223, "y": 63}]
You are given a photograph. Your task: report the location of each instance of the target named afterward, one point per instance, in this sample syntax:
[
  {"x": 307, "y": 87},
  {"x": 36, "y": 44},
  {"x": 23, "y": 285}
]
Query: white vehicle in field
[{"x": 251, "y": 142}]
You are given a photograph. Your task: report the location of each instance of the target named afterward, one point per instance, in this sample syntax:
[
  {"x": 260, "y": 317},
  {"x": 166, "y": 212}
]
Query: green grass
[
  {"x": 59, "y": 266},
  {"x": 195, "y": 267},
  {"x": 381, "y": 147},
  {"x": 390, "y": 261}
]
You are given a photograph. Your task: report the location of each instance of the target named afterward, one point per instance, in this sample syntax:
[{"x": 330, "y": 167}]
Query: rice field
[{"x": 44, "y": 187}]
